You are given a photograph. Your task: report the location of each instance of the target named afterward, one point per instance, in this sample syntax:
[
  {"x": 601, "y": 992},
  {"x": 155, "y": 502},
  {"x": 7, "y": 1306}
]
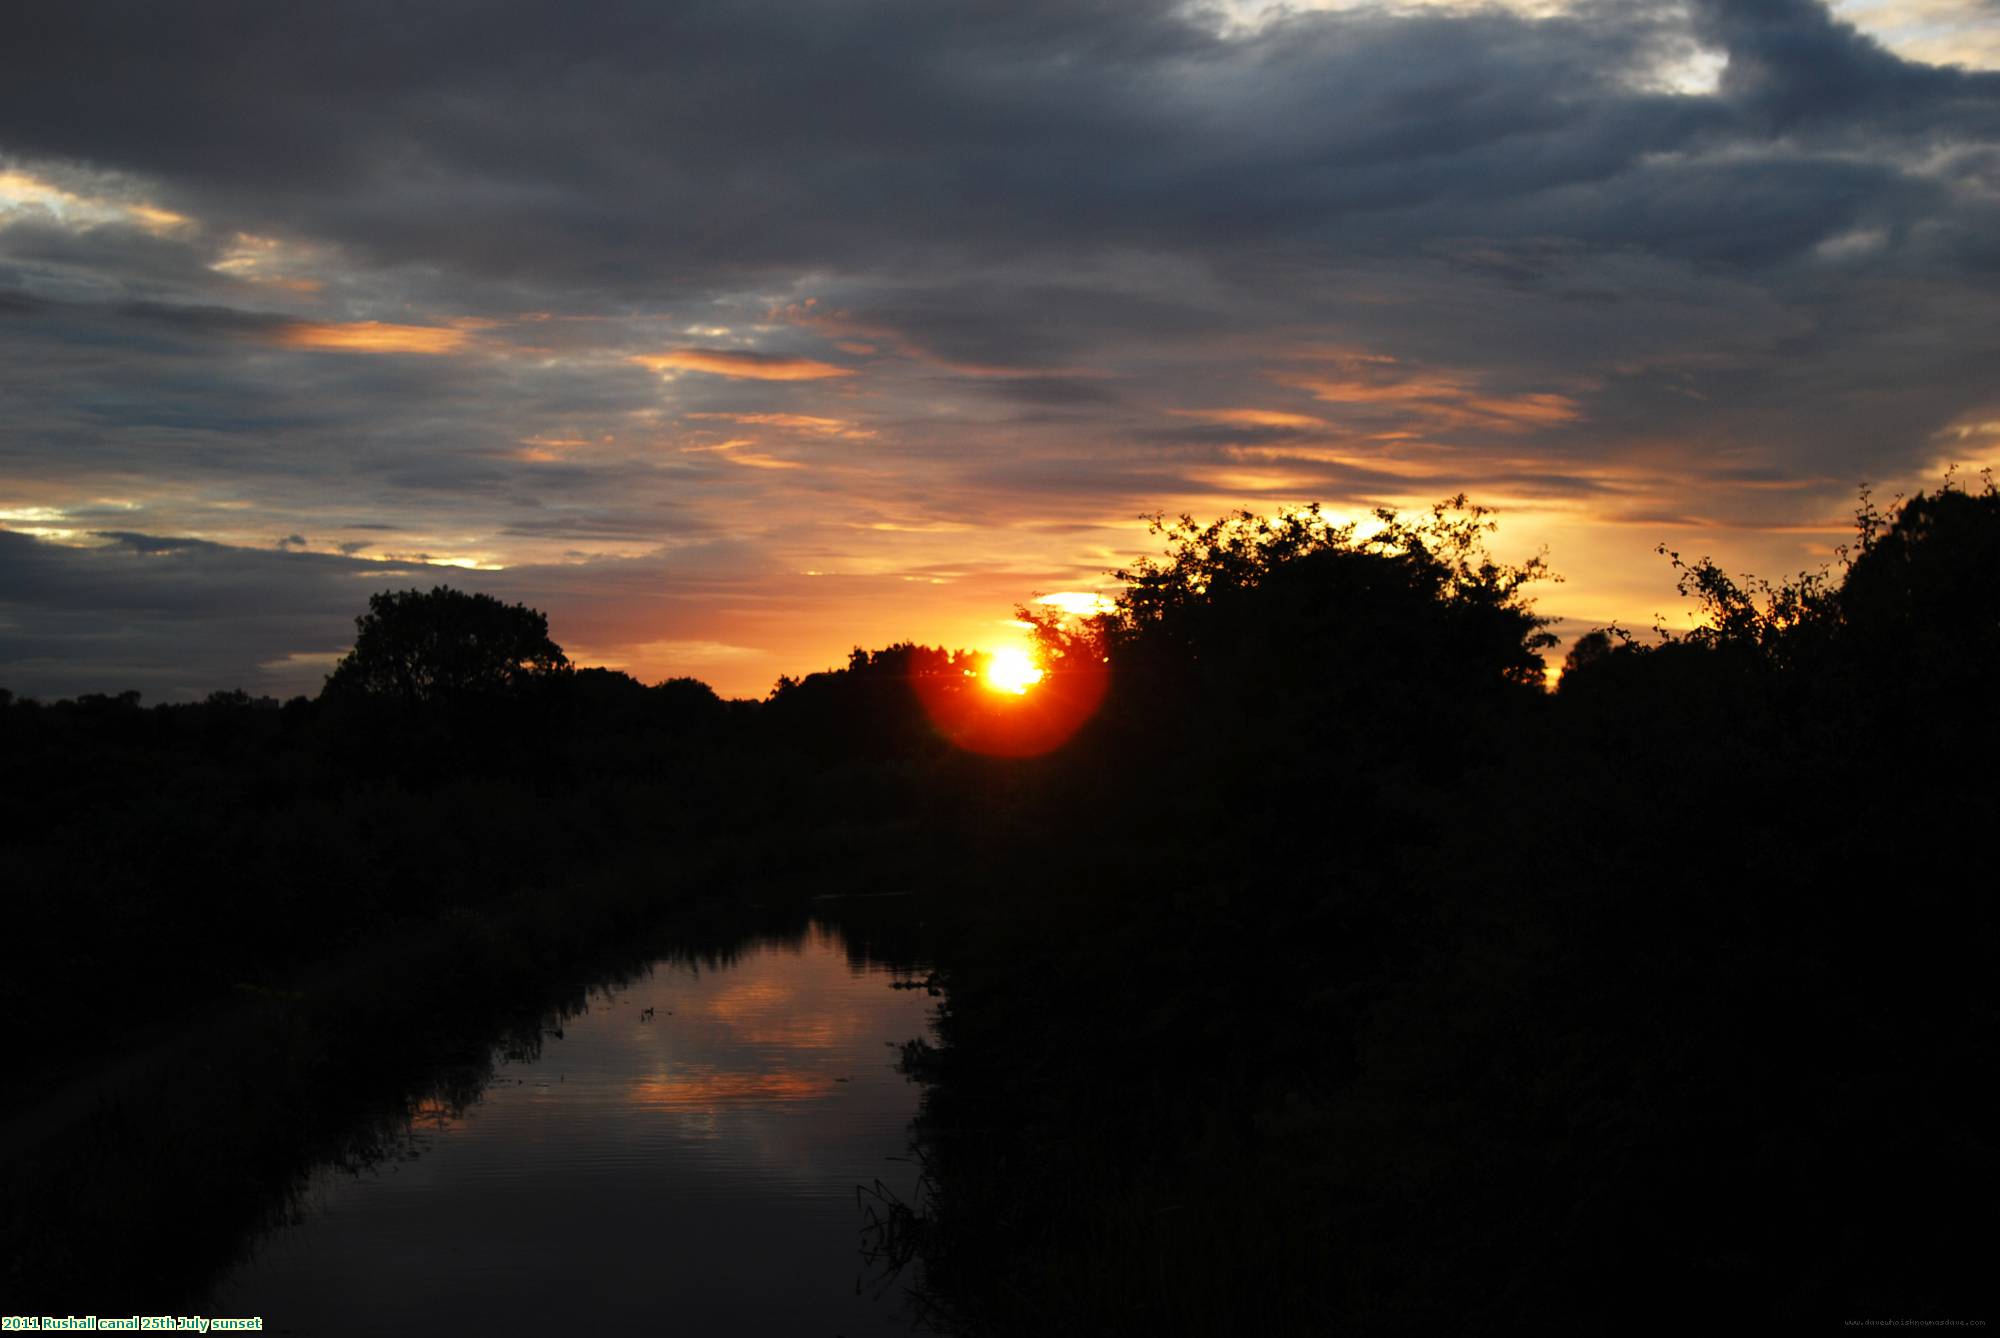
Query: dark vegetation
[{"x": 1335, "y": 975}]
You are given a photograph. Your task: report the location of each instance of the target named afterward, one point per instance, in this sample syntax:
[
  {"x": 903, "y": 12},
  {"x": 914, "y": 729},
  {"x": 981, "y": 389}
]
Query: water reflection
[{"x": 685, "y": 1155}]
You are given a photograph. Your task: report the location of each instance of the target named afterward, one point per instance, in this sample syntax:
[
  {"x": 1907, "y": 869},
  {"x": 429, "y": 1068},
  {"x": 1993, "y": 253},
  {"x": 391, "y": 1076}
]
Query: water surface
[{"x": 692, "y": 1169}]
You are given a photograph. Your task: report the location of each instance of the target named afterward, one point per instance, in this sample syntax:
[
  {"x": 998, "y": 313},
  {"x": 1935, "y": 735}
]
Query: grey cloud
[
  {"x": 152, "y": 544},
  {"x": 649, "y": 148},
  {"x": 178, "y": 618},
  {"x": 109, "y": 262},
  {"x": 196, "y": 321},
  {"x": 1054, "y": 391},
  {"x": 174, "y": 618},
  {"x": 1231, "y": 434}
]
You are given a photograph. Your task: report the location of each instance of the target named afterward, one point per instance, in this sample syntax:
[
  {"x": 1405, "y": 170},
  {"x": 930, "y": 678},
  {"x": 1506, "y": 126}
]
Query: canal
[{"x": 685, "y": 1150}]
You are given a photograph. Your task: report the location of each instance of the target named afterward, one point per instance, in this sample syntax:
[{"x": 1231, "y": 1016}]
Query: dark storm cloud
[
  {"x": 663, "y": 145},
  {"x": 662, "y": 150},
  {"x": 1794, "y": 69}
]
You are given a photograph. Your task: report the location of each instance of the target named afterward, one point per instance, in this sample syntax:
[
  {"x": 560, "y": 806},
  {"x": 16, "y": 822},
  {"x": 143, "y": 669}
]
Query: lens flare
[{"x": 1010, "y": 705}]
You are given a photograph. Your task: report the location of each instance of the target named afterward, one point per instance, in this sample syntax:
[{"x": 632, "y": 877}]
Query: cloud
[
  {"x": 171, "y": 617},
  {"x": 1405, "y": 401},
  {"x": 1082, "y": 603},
  {"x": 793, "y": 422},
  {"x": 733, "y": 452},
  {"x": 747, "y": 366},
  {"x": 958, "y": 294},
  {"x": 22, "y": 192},
  {"x": 372, "y": 337},
  {"x": 1267, "y": 418}
]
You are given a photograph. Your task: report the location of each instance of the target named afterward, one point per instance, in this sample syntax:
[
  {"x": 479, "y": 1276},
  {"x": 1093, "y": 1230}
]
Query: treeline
[
  {"x": 240, "y": 931},
  {"x": 1312, "y": 964},
  {"x": 167, "y": 859},
  {"x": 1365, "y": 987},
  {"x": 161, "y": 858}
]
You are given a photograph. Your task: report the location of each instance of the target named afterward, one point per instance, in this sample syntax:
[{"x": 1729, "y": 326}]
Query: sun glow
[{"x": 1012, "y": 670}]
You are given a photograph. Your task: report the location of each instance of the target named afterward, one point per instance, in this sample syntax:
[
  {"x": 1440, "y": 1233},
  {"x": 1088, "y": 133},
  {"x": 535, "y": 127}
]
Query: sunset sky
[{"x": 735, "y": 335}]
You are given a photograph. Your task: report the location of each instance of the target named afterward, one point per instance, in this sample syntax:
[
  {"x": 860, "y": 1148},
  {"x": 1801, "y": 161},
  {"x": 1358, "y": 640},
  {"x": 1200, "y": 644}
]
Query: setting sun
[{"x": 1012, "y": 670}]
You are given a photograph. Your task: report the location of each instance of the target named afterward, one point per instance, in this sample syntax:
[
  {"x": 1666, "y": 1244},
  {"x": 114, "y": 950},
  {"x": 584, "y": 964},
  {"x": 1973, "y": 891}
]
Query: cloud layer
[{"x": 733, "y": 334}]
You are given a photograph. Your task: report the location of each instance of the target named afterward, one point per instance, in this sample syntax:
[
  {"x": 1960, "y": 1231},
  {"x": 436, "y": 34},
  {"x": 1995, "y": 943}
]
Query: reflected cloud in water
[{"x": 684, "y": 1149}]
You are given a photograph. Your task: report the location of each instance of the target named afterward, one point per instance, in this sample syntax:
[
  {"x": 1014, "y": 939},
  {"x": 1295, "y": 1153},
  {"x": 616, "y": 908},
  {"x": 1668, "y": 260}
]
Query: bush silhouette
[
  {"x": 1299, "y": 584},
  {"x": 1321, "y": 666}
]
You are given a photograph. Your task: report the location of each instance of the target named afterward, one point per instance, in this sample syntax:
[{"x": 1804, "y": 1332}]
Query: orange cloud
[
  {"x": 733, "y": 452},
  {"x": 1332, "y": 391},
  {"x": 1393, "y": 466},
  {"x": 371, "y": 337},
  {"x": 796, "y": 422},
  {"x": 1247, "y": 481},
  {"x": 1434, "y": 398},
  {"x": 155, "y": 218},
  {"x": 1250, "y": 417},
  {"x": 547, "y": 449},
  {"x": 1529, "y": 409},
  {"x": 748, "y": 366},
  {"x": 74, "y": 210}
]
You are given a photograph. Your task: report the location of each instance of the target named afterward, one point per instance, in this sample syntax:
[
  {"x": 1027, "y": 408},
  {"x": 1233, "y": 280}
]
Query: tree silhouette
[{"x": 416, "y": 647}]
